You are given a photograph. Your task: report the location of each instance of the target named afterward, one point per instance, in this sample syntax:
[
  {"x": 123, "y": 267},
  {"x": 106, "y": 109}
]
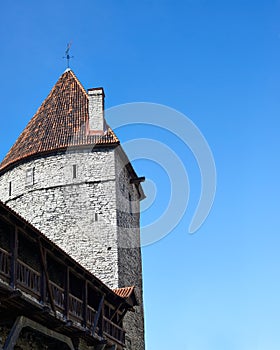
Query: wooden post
[
  {"x": 43, "y": 282},
  {"x": 14, "y": 257},
  {"x": 44, "y": 265},
  {"x": 97, "y": 315},
  {"x": 102, "y": 321},
  {"x": 85, "y": 301},
  {"x": 116, "y": 311},
  {"x": 66, "y": 291},
  {"x": 121, "y": 317},
  {"x": 23, "y": 322}
]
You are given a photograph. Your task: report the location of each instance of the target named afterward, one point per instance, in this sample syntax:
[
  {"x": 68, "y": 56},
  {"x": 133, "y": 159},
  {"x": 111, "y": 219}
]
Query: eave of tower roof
[{"x": 60, "y": 122}]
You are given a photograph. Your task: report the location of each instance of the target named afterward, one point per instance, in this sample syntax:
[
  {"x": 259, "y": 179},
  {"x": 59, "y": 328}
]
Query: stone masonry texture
[{"x": 83, "y": 201}]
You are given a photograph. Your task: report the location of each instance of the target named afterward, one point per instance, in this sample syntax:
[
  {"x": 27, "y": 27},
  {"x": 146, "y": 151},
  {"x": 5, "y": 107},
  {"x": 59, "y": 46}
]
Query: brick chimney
[{"x": 97, "y": 123}]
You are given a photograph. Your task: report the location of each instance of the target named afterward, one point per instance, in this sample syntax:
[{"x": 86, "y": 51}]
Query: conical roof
[{"x": 60, "y": 122}]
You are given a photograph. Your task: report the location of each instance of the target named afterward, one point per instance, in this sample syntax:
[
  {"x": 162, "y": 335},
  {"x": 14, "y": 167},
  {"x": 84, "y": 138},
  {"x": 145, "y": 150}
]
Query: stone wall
[
  {"x": 84, "y": 202},
  {"x": 78, "y": 214},
  {"x": 129, "y": 253}
]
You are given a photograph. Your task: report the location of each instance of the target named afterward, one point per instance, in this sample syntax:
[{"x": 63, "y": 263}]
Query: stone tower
[{"x": 68, "y": 175}]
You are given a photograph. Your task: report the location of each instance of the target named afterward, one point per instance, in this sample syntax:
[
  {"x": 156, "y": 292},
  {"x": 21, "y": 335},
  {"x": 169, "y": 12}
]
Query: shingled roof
[
  {"x": 60, "y": 122},
  {"x": 128, "y": 293}
]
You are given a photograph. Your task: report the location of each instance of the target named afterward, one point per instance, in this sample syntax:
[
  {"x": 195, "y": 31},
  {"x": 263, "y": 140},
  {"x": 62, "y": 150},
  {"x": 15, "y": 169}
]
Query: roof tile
[
  {"x": 124, "y": 292},
  {"x": 60, "y": 122}
]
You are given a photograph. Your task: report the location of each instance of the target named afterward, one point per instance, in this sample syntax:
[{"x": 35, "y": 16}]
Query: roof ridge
[
  {"x": 53, "y": 89},
  {"x": 77, "y": 80},
  {"x": 68, "y": 70}
]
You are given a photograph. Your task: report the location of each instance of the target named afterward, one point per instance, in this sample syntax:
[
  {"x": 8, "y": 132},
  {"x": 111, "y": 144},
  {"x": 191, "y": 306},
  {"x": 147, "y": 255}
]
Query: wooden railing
[
  {"x": 90, "y": 316},
  {"x": 75, "y": 307},
  {"x": 5, "y": 263},
  {"x": 114, "y": 331},
  {"x": 28, "y": 278},
  {"x": 31, "y": 281},
  {"x": 58, "y": 295}
]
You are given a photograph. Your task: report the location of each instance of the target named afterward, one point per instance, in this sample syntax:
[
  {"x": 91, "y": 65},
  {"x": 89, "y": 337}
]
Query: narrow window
[
  {"x": 95, "y": 217},
  {"x": 130, "y": 203},
  {"x": 29, "y": 178},
  {"x": 74, "y": 171},
  {"x": 10, "y": 188}
]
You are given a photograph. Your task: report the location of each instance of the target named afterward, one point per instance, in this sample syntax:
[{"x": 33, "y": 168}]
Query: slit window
[
  {"x": 29, "y": 178},
  {"x": 74, "y": 171},
  {"x": 130, "y": 203},
  {"x": 10, "y": 188}
]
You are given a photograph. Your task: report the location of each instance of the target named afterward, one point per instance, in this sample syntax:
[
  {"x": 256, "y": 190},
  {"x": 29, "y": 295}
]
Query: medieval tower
[{"x": 68, "y": 175}]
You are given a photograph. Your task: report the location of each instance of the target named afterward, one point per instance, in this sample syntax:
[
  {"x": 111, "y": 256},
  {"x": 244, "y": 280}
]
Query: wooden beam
[
  {"x": 116, "y": 311},
  {"x": 14, "y": 295},
  {"x": 97, "y": 315},
  {"x": 66, "y": 291},
  {"x": 102, "y": 321},
  {"x": 85, "y": 302},
  {"x": 44, "y": 264},
  {"x": 14, "y": 334},
  {"x": 14, "y": 257},
  {"x": 121, "y": 317},
  {"x": 137, "y": 180},
  {"x": 43, "y": 280},
  {"x": 22, "y": 322}
]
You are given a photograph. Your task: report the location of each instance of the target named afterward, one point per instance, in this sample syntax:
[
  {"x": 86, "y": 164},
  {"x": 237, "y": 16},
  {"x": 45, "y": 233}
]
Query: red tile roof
[
  {"x": 128, "y": 293},
  {"x": 60, "y": 122},
  {"x": 124, "y": 292}
]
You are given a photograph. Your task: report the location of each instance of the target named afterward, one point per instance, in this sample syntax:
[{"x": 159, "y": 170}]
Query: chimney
[{"x": 96, "y": 110}]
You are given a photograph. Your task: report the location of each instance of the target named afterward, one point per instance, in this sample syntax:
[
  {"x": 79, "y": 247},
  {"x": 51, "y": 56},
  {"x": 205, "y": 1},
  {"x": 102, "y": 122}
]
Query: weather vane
[{"x": 67, "y": 56}]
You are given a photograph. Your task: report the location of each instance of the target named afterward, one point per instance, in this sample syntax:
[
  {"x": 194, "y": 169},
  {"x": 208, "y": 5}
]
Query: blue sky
[{"x": 217, "y": 62}]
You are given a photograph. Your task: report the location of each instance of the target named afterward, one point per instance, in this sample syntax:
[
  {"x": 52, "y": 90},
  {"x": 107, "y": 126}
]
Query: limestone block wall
[
  {"x": 129, "y": 253},
  {"x": 83, "y": 201},
  {"x": 74, "y": 206}
]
